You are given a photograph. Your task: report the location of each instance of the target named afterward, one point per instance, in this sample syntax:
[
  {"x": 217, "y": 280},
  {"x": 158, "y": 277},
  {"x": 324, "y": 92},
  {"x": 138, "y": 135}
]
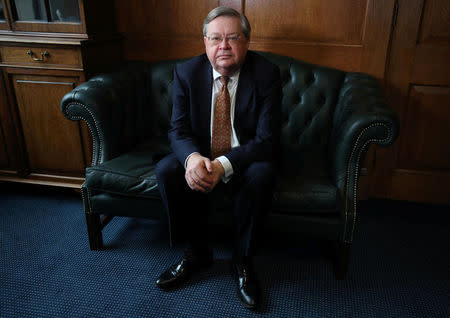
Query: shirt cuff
[
  {"x": 227, "y": 167},
  {"x": 187, "y": 158}
]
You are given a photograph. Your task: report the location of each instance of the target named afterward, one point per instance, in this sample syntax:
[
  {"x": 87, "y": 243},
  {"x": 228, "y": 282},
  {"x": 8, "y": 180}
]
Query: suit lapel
[
  {"x": 243, "y": 97},
  {"x": 205, "y": 99}
]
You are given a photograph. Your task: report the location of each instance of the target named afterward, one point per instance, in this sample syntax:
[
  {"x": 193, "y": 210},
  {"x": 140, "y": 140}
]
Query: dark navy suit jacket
[{"x": 257, "y": 111}]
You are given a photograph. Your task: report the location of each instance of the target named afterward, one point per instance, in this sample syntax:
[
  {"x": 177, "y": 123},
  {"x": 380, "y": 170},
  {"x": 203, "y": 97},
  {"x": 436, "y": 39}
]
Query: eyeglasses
[{"x": 216, "y": 39}]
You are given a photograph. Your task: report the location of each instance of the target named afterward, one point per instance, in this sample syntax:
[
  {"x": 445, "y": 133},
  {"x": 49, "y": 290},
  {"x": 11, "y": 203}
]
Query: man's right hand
[{"x": 198, "y": 173}]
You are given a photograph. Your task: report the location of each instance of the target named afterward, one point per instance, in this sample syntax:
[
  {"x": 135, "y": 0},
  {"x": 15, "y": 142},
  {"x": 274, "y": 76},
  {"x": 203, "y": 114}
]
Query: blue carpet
[{"x": 400, "y": 267}]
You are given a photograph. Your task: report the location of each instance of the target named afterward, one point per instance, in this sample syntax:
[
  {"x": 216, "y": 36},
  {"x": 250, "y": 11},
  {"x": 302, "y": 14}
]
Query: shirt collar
[{"x": 233, "y": 78}]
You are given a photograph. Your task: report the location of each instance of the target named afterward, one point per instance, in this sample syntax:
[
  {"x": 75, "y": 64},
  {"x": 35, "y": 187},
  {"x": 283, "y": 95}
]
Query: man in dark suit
[{"x": 224, "y": 136}]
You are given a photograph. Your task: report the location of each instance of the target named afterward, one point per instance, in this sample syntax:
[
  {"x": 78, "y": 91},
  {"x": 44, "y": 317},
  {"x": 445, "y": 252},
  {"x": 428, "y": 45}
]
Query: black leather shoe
[
  {"x": 248, "y": 290},
  {"x": 179, "y": 272}
]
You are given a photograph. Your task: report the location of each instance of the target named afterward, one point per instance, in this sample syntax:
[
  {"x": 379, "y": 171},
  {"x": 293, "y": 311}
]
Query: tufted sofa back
[{"x": 310, "y": 94}]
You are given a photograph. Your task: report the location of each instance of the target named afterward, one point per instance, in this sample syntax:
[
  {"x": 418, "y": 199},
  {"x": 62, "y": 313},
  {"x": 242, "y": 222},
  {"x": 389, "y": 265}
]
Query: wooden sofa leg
[
  {"x": 94, "y": 229},
  {"x": 341, "y": 259}
]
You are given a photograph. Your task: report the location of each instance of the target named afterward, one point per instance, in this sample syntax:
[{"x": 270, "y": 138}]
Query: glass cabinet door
[
  {"x": 52, "y": 11},
  {"x": 64, "y": 11},
  {"x": 3, "y": 24},
  {"x": 30, "y": 10},
  {"x": 46, "y": 15},
  {"x": 2, "y": 13}
]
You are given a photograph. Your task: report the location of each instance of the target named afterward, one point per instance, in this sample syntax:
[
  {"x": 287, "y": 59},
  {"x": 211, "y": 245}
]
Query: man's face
[{"x": 226, "y": 56}]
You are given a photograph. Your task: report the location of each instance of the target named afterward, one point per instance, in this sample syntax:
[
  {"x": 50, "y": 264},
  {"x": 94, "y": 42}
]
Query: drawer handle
[{"x": 43, "y": 56}]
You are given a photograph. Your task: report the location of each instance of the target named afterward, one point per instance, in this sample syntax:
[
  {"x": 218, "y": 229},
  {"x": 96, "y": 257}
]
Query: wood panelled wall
[
  {"x": 169, "y": 29},
  {"x": 404, "y": 43},
  {"x": 346, "y": 34}
]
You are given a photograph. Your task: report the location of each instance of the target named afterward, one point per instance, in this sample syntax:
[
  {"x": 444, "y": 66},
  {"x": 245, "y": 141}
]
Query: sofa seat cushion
[
  {"x": 305, "y": 185},
  {"x": 131, "y": 174},
  {"x": 300, "y": 195},
  {"x": 302, "y": 188}
]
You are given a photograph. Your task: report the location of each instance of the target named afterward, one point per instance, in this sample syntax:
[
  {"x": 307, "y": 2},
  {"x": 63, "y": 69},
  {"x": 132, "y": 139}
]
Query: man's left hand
[{"x": 217, "y": 171}]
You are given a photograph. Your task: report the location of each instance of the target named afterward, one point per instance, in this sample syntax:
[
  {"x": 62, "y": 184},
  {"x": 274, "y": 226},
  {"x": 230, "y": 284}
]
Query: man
[{"x": 224, "y": 135}]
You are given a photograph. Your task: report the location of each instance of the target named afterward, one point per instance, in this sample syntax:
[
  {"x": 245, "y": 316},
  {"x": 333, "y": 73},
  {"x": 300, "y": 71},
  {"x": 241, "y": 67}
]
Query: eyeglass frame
[{"x": 231, "y": 39}]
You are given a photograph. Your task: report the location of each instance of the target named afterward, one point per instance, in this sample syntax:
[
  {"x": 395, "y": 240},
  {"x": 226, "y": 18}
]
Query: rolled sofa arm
[
  {"x": 111, "y": 105},
  {"x": 362, "y": 116}
]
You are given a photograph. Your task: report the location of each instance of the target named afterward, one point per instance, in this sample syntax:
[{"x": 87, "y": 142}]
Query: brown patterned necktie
[{"x": 221, "y": 134}]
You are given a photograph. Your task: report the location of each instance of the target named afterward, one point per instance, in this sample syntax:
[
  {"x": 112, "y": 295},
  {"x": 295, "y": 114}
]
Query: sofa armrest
[
  {"x": 362, "y": 116},
  {"x": 111, "y": 105}
]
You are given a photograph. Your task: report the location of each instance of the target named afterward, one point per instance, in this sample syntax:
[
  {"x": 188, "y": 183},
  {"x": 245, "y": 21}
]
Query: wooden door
[
  {"x": 52, "y": 143},
  {"x": 418, "y": 86}
]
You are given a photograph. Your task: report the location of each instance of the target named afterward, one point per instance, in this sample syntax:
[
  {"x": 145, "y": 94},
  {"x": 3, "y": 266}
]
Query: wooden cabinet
[{"x": 46, "y": 51}]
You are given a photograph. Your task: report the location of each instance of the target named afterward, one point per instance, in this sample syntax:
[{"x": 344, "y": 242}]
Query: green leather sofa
[{"x": 329, "y": 118}]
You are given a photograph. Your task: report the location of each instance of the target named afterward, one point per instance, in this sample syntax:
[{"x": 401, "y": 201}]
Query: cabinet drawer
[{"x": 41, "y": 56}]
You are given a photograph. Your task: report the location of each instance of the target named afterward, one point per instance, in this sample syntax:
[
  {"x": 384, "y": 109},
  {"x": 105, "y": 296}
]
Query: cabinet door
[
  {"x": 3, "y": 24},
  {"x": 53, "y": 143},
  {"x": 8, "y": 142},
  {"x": 4, "y": 162},
  {"x": 46, "y": 16}
]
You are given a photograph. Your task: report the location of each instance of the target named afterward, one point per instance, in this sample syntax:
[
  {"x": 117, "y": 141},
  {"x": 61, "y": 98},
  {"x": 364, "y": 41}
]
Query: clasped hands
[{"x": 202, "y": 174}]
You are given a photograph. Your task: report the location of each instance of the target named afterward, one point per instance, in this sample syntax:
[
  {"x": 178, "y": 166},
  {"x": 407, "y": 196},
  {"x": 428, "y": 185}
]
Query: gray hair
[{"x": 229, "y": 12}]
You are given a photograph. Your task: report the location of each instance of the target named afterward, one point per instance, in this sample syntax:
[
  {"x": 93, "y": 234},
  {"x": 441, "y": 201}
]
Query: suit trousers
[{"x": 251, "y": 193}]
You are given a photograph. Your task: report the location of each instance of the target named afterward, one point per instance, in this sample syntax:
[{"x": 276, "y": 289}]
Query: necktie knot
[{"x": 224, "y": 80}]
